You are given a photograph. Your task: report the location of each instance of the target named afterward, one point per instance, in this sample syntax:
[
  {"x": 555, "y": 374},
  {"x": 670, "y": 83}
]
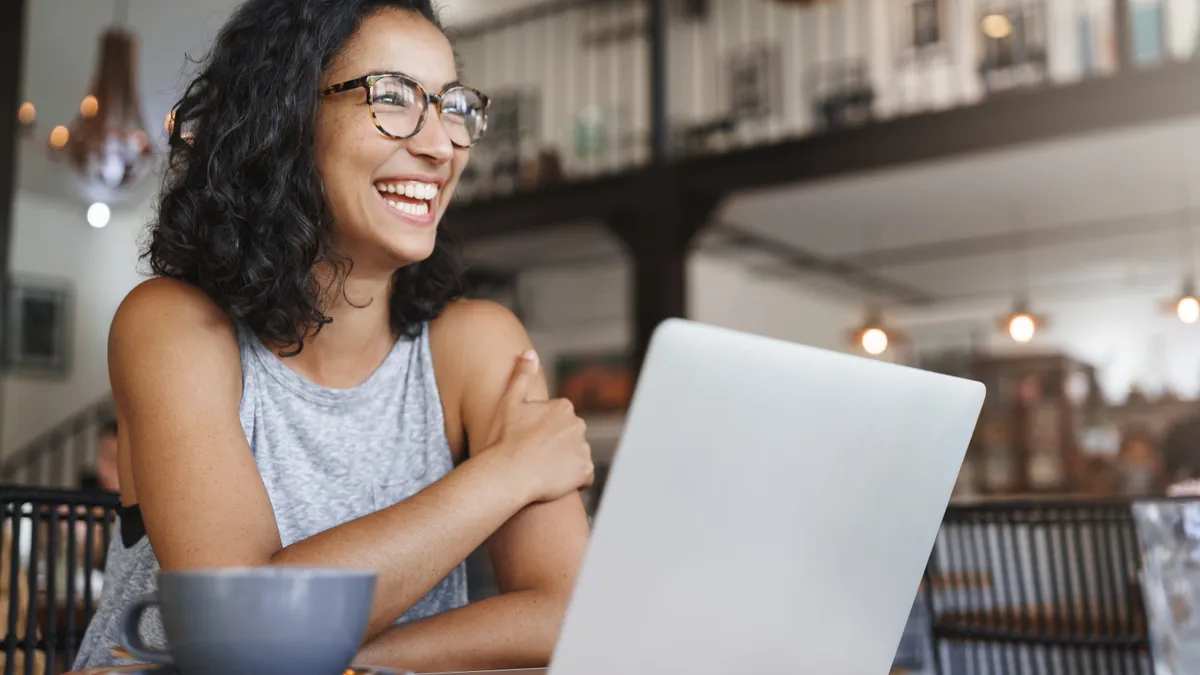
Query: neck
[{"x": 348, "y": 348}]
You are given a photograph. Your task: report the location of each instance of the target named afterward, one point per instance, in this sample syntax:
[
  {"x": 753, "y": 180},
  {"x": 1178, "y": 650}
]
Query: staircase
[{"x": 59, "y": 457}]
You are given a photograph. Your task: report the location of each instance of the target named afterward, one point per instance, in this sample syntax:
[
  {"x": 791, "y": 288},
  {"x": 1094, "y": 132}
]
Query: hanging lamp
[
  {"x": 108, "y": 146},
  {"x": 1186, "y": 305},
  {"x": 872, "y": 335},
  {"x": 1021, "y": 324}
]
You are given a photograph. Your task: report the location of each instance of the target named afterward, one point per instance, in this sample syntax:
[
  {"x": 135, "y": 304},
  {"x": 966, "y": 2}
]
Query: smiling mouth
[{"x": 411, "y": 198}]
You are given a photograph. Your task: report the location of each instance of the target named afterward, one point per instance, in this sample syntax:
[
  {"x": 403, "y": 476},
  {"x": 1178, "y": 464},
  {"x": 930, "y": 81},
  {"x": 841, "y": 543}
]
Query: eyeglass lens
[{"x": 399, "y": 103}]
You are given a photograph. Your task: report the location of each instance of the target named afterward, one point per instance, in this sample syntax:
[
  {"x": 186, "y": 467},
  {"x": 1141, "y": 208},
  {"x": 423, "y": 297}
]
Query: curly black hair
[{"x": 242, "y": 213}]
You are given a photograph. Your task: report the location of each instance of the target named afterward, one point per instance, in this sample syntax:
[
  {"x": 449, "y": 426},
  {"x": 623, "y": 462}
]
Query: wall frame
[{"x": 38, "y": 326}]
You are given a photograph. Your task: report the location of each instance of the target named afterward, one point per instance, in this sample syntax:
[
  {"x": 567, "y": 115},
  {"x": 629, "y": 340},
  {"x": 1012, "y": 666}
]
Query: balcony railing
[{"x": 573, "y": 82}]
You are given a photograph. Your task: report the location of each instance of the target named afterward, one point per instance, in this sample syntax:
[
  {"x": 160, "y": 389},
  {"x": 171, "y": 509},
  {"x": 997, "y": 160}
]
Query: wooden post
[
  {"x": 12, "y": 52},
  {"x": 658, "y": 236}
]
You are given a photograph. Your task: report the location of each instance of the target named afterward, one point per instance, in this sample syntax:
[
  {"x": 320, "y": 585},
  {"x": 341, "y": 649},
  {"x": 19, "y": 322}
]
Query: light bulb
[
  {"x": 1188, "y": 309},
  {"x": 89, "y": 106},
  {"x": 98, "y": 214},
  {"x": 26, "y": 114},
  {"x": 874, "y": 341},
  {"x": 1022, "y": 327},
  {"x": 996, "y": 26},
  {"x": 59, "y": 137}
]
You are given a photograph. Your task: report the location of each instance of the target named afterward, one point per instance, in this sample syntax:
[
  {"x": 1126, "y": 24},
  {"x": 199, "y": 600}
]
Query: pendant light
[
  {"x": 1021, "y": 324},
  {"x": 108, "y": 145},
  {"x": 1186, "y": 305},
  {"x": 872, "y": 336}
]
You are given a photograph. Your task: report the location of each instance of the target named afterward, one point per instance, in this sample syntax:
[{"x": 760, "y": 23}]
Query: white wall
[
  {"x": 586, "y": 310},
  {"x": 52, "y": 240},
  {"x": 726, "y": 293}
]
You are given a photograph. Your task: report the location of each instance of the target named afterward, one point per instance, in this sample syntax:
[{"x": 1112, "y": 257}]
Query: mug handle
[{"x": 131, "y": 638}]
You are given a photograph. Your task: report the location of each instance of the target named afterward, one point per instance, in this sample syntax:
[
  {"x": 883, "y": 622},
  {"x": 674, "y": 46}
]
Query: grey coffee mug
[{"x": 264, "y": 620}]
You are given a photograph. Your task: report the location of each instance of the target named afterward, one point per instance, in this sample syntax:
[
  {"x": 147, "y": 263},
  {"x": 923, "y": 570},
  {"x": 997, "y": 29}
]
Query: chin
[
  {"x": 402, "y": 251},
  {"x": 386, "y": 238}
]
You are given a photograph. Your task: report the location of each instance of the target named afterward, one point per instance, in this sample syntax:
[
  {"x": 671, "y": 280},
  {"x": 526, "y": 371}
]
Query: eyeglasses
[{"x": 399, "y": 106}]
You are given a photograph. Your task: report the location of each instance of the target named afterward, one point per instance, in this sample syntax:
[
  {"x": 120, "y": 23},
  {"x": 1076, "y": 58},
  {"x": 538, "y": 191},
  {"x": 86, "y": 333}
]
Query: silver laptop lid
[{"x": 770, "y": 510}]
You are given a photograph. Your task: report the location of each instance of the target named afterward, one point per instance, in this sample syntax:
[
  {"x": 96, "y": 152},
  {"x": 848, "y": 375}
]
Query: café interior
[{"x": 993, "y": 189}]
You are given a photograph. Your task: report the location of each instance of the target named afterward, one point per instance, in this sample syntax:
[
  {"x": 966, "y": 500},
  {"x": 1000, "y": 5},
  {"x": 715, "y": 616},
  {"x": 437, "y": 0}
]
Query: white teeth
[
  {"x": 411, "y": 189},
  {"x": 409, "y": 208}
]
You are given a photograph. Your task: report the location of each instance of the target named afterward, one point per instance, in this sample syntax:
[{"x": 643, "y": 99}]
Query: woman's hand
[{"x": 544, "y": 439}]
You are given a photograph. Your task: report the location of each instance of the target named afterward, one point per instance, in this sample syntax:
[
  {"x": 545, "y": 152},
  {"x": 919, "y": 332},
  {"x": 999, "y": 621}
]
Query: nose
[{"x": 432, "y": 143}]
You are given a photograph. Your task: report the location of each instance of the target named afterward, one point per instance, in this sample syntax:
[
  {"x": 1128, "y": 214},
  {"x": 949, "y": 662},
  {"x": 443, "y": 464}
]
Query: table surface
[{"x": 143, "y": 669}]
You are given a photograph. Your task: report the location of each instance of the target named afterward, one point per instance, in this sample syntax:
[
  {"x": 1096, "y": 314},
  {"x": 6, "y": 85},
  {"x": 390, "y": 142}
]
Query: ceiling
[
  {"x": 1069, "y": 219},
  {"x": 1073, "y": 216}
]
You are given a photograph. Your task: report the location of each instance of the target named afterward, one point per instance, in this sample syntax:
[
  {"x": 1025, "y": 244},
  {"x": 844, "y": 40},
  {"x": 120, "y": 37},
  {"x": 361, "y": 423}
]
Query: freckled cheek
[{"x": 348, "y": 160}]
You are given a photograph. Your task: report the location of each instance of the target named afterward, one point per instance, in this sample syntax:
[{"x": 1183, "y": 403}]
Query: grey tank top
[{"x": 326, "y": 456}]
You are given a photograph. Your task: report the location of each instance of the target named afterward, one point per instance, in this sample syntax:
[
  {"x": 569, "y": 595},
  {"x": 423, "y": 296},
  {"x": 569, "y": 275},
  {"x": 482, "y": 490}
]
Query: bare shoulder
[
  {"x": 162, "y": 299},
  {"x": 475, "y": 345},
  {"x": 472, "y": 329},
  {"x": 471, "y": 338},
  {"x": 166, "y": 320}
]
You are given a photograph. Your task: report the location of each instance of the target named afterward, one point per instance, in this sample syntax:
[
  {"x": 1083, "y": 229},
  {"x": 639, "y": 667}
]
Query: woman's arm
[
  {"x": 176, "y": 376},
  {"x": 536, "y": 554}
]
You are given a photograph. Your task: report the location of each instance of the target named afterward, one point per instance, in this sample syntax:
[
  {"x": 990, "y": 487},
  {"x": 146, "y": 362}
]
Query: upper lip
[{"x": 412, "y": 178}]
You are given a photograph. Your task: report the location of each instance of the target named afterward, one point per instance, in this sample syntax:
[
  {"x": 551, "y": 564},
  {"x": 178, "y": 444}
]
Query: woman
[
  {"x": 297, "y": 385},
  {"x": 1139, "y": 466}
]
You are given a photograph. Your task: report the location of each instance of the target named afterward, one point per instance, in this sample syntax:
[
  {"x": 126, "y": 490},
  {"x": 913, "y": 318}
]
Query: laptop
[{"x": 770, "y": 509}]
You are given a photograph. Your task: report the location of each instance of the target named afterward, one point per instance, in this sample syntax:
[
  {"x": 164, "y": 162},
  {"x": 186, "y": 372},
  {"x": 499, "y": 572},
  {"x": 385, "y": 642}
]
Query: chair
[
  {"x": 1037, "y": 587},
  {"x": 51, "y": 573}
]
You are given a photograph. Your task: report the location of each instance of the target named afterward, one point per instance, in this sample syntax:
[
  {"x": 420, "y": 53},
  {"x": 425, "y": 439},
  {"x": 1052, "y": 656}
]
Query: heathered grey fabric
[{"x": 326, "y": 457}]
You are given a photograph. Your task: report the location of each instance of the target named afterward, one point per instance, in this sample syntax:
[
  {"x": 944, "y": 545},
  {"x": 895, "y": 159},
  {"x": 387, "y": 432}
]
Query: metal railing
[
  {"x": 59, "y": 457},
  {"x": 53, "y": 552},
  {"x": 1038, "y": 587},
  {"x": 575, "y": 93}
]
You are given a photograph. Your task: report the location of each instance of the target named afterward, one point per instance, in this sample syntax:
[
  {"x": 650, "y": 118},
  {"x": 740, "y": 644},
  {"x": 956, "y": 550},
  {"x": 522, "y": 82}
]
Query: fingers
[{"x": 522, "y": 377}]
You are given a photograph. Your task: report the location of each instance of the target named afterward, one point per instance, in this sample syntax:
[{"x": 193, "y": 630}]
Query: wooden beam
[{"x": 584, "y": 200}]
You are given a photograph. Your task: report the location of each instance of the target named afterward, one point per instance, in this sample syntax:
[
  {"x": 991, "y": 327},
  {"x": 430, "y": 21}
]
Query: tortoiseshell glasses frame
[{"x": 370, "y": 83}]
